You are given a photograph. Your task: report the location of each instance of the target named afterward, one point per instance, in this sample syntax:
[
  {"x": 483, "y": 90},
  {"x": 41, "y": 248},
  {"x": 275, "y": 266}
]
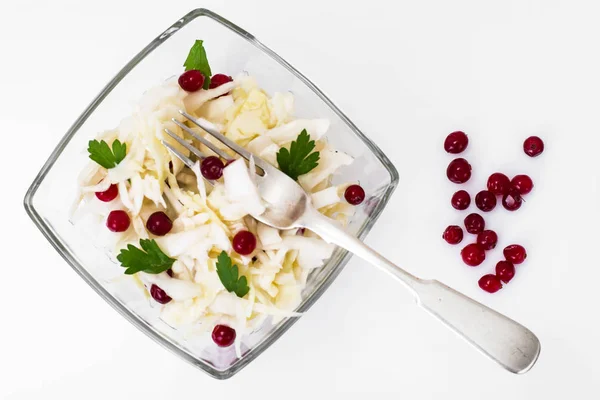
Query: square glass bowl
[{"x": 231, "y": 50}]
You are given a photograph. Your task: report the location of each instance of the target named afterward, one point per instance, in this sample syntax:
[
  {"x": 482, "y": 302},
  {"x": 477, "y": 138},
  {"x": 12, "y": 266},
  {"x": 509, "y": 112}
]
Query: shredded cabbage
[{"x": 207, "y": 216}]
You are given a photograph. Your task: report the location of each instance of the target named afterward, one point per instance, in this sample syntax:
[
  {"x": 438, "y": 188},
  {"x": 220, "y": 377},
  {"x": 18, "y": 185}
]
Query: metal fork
[{"x": 288, "y": 206}]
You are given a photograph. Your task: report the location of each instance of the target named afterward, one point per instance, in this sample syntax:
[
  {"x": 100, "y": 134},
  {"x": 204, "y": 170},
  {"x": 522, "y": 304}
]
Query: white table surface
[{"x": 407, "y": 73}]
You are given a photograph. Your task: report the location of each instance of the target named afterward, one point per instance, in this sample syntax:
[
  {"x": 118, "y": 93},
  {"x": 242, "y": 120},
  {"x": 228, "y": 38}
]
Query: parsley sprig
[
  {"x": 228, "y": 275},
  {"x": 298, "y": 160},
  {"x": 197, "y": 60},
  {"x": 103, "y": 155},
  {"x": 149, "y": 259}
]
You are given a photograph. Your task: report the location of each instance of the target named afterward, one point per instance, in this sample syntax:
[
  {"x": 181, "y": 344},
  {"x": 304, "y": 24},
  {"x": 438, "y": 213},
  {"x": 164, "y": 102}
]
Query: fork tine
[
  {"x": 183, "y": 158},
  {"x": 208, "y": 127},
  {"x": 203, "y": 140},
  {"x": 185, "y": 144},
  {"x": 187, "y": 161}
]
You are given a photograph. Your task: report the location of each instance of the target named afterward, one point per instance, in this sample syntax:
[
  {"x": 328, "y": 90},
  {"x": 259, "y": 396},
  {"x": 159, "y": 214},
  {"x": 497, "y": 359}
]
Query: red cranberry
[
  {"x": 533, "y": 146},
  {"x": 223, "y": 335},
  {"x": 453, "y": 234},
  {"x": 212, "y": 168},
  {"x": 118, "y": 221},
  {"x": 456, "y": 142},
  {"x": 459, "y": 170},
  {"x": 473, "y": 254},
  {"x": 159, "y": 295},
  {"x": 498, "y": 183},
  {"x": 487, "y": 239},
  {"x": 191, "y": 81},
  {"x": 490, "y": 283},
  {"x": 505, "y": 270},
  {"x": 354, "y": 194},
  {"x": 485, "y": 200},
  {"x": 159, "y": 224},
  {"x": 515, "y": 253},
  {"x": 461, "y": 200},
  {"x": 244, "y": 243},
  {"x": 474, "y": 223},
  {"x": 218, "y": 80},
  {"x": 512, "y": 200},
  {"x": 522, "y": 184},
  {"x": 109, "y": 194},
  {"x": 170, "y": 272}
]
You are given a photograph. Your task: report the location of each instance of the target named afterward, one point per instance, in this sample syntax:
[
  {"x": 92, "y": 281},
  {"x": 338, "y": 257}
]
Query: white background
[{"x": 407, "y": 73}]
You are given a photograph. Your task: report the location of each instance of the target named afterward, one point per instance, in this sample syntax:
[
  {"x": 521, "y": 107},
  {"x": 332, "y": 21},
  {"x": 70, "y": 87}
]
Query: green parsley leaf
[
  {"x": 119, "y": 150},
  {"x": 298, "y": 160},
  {"x": 149, "y": 259},
  {"x": 197, "y": 59},
  {"x": 101, "y": 153},
  {"x": 228, "y": 275}
]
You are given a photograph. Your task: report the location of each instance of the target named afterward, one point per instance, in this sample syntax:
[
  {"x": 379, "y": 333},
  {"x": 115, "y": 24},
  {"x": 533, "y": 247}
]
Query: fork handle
[{"x": 502, "y": 339}]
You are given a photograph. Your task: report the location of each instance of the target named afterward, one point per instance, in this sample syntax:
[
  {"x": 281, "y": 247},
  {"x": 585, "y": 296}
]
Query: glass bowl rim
[{"x": 62, "y": 249}]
